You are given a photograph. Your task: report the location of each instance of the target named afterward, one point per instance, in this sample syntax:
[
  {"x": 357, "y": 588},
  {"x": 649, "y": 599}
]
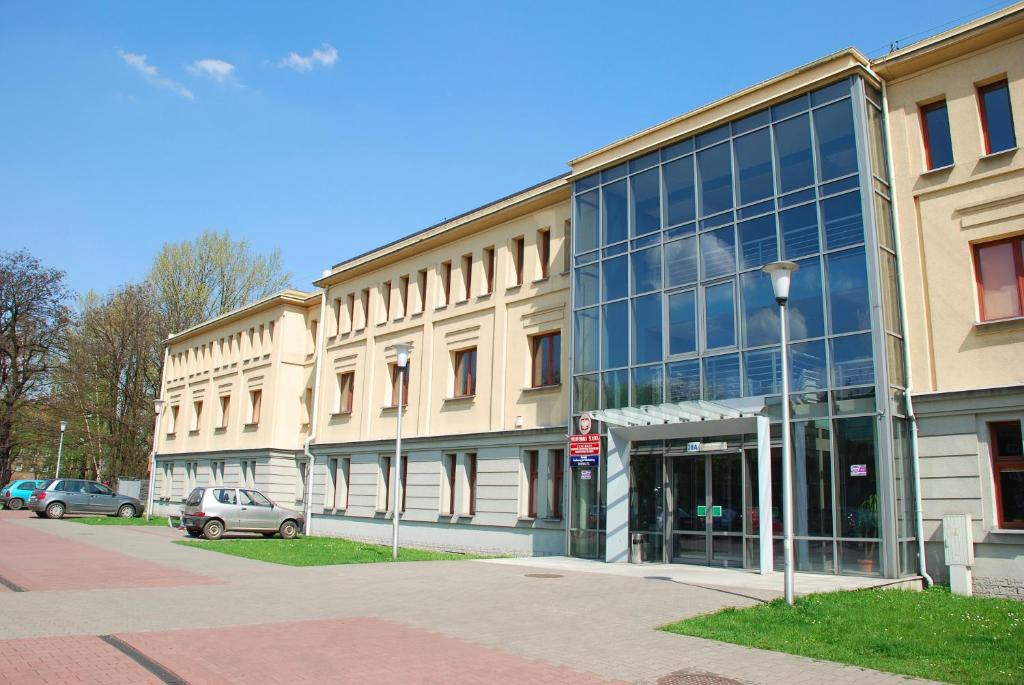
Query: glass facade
[{"x": 670, "y": 303}]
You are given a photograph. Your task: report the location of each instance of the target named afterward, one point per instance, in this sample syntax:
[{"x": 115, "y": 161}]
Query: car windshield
[{"x": 195, "y": 497}]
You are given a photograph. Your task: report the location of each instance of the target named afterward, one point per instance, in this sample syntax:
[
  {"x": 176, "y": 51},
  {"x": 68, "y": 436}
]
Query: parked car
[
  {"x": 213, "y": 511},
  {"x": 73, "y": 496},
  {"x": 15, "y": 494}
]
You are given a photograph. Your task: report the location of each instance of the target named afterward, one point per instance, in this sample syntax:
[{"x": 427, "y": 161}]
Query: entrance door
[{"x": 707, "y": 500}]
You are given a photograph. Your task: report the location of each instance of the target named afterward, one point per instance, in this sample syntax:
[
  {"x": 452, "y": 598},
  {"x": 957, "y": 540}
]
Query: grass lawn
[
  {"x": 118, "y": 521},
  {"x": 317, "y": 551},
  {"x": 932, "y": 634}
]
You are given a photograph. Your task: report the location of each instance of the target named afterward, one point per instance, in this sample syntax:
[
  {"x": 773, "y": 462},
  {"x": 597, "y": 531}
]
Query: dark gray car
[{"x": 74, "y": 496}]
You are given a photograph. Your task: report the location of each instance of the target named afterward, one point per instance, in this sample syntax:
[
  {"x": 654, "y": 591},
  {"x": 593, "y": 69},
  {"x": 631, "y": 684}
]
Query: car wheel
[
  {"x": 126, "y": 511},
  {"x": 288, "y": 530},
  {"x": 55, "y": 511},
  {"x": 213, "y": 530},
  {"x": 15, "y": 504}
]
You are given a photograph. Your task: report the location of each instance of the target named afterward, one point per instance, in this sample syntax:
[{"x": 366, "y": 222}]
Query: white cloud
[
  {"x": 325, "y": 56},
  {"x": 152, "y": 74},
  {"x": 219, "y": 70}
]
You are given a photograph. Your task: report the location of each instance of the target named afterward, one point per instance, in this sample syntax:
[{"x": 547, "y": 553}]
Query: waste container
[{"x": 636, "y": 548}]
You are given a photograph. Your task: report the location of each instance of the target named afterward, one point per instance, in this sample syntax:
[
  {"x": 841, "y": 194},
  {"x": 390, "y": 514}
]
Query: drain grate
[
  {"x": 690, "y": 678},
  {"x": 543, "y": 575}
]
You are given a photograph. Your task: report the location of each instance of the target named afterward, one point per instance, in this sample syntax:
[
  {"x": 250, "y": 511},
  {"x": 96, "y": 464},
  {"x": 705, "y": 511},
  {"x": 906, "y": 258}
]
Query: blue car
[{"x": 15, "y": 494}]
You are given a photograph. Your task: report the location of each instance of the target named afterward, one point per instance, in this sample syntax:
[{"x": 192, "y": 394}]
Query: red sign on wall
[{"x": 584, "y": 445}]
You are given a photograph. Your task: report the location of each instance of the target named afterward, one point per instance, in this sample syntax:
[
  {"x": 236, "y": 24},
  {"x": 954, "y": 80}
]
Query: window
[
  {"x": 567, "y": 247},
  {"x": 341, "y": 480},
  {"x": 467, "y": 276},
  {"x": 465, "y": 373},
  {"x": 1008, "y": 472},
  {"x": 471, "y": 481},
  {"x": 446, "y": 283},
  {"x": 385, "y": 475},
  {"x": 556, "y": 478},
  {"x": 385, "y": 296},
  {"x": 253, "y": 498},
  {"x": 225, "y": 495},
  {"x": 168, "y": 477},
  {"x": 225, "y": 411},
  {"x": 173, "y": 427},
  {"x": 996, "y": 117},
  {"x": 403, "y": 481},
  {"x": 255, "y": 405},
  {"x": 351, "y": 312},
  {"x": 403, "y": 292},
  {"x": 999, "y": 269},
  {"x": 547, "y": 359},
  {"x": 364, "y": 304},
  {"x": 421, "y": 286},
  {"x": 395, "y": 373},
  {"x": 518, "y": 256},
  {"x": 489, "y": 269},
  {"x": 197, "y": 415},
  {"x": 249, "y": 473},
  {"x": 544, "y": 251},
  {"x": 532, "y": 466},
  {"x": 449, "y": 471},
  {"x": 337, "y": 315},
  {"x": 217, "y": 468},
  {"x": 346, "y": 392},
  {"x": 314, "y": 329},
  {"x": 938, "y": 146}
]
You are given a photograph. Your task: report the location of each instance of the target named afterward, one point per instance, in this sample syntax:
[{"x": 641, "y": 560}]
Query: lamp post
[
  {"x": 60, "y": 448},
  {"x": 402, "y": 350},
  {"x": 158, "y": 409},
  {"x": 781, "y": 274}
]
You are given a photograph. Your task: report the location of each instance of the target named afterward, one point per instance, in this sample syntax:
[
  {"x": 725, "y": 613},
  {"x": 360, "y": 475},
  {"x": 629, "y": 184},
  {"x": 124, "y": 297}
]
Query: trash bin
[{"x": 636, "y": 548}]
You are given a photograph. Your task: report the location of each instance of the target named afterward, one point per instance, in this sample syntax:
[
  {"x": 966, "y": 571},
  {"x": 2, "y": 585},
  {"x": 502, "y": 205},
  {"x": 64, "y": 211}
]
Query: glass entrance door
[{"x": 706, "y": 498}]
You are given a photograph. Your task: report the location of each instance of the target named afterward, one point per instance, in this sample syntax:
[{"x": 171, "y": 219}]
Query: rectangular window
[
  {"x": 249, "y": 473},
  {"x": 173, "y": 427},
  {"x": 446, "y": 283},
  {"x": 547, "y": 359},
  {"x": 395, "y": 373},
  {"x": 255, "y": 406},
  {"x": 344, "y": 471},
  {"x": 450, "y": 462},
  {"x": 337, "y": 315},
  {"x": 938, "y": 146},
  {"x": 225, "y": 411},
  {"x": 999, "y": 271},
  {"x": 385, "y": 296},
  {"x": 544, "y": 251},
  {"x": 197, "y": 415},
  {"x": 567, "y": 247},
  {"x": 471, "y": 481},
  {"x": 351, "y": 312},
  {"x": 421, "y": 286},
  {"x": 996, "y": 117},
  {"x": 467, "y": 276},
  {"x": 489, "y": 269},
  {"x": 518, "y": 257},
  {"x": 385, "y": 475},
  {"x": 1008, "y": 472},
  {"x": 465, "y": 373},
  {"x": 556, "y": 478},
  {"x": 314, "y": 330},
  {"x": 364, "y": 305},
  {"x": 403, "y": 292},
  {"x": 403, "y": 482},
  {"x": 346, "y": 392},
  {"x": 532, "y": 467},
  {"x": 218, "y": 473}
]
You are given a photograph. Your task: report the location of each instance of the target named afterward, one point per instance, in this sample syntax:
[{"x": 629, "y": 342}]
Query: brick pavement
[
  {"x": 77, "y": 660},
  {"x": 588, "y": 623}
]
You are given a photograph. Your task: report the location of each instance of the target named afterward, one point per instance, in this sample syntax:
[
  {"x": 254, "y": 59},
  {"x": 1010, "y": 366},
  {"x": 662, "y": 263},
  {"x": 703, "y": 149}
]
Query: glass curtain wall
[{"x": 670, "y": 303}]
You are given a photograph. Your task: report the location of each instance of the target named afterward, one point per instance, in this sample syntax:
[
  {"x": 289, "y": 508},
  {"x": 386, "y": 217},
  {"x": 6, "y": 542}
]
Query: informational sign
[
  {"x": 693, "y": 447},
  {"x": 706, "y": 446},
  {"x": 858, "y": 469},
  {"x": 702, "y": 510},
  {"x": 584, "y": 450},
  {"x": 586, "y": 474},
  {"x": 585, "y": 423},
  {"x": 716, "y": 511}
]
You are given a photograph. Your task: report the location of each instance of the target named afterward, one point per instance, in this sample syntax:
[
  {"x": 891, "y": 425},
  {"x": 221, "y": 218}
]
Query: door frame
[{"x": 709, "y": 534}]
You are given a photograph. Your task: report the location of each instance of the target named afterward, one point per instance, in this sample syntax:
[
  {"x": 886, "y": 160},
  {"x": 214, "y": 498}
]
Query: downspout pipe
[
  {"x": 314, "y": 412},
  {"x": 915, "y": 459}
]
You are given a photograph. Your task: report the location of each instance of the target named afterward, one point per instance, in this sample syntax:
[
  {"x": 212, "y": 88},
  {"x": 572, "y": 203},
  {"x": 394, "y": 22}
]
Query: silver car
[
  {"x": 214, "y": 510},
  {"x": 74, "y": 496}
]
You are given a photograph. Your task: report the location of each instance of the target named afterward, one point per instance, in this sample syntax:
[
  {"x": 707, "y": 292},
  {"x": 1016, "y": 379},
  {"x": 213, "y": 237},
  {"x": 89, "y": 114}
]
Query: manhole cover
[
  {"x": 543, "y": 575},
  {"x": 684, "y": 678}
]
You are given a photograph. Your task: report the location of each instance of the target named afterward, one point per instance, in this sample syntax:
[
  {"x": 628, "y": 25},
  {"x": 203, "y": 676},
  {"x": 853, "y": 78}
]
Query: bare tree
[{"x": 33, "y": 319}]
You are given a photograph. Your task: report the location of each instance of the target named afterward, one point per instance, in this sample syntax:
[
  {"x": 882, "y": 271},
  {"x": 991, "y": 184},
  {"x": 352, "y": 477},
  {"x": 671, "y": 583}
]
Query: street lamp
[
  {"x": 60, "y": 448},
  {"x": 402, "y": 350},
  {"x": 158, "y": 409},
  {"x": 781, "y": 274}
]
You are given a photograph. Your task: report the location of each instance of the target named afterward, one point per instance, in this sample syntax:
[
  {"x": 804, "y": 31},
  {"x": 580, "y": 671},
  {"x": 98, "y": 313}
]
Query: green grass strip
[
  {"x": 932, "y": 634},
  {"x": 117, "y": 521}
]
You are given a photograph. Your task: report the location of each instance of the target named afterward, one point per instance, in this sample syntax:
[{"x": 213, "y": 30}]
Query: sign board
[
  {"x": 706, "y": 446},
  {"x": 584, "y": 445},
  {"x": 693, "y": 447},
  {"x": 585, "y": 423},
  {"x": 716, "y": 511},
  {"x": 702, "y": 510},
  {"x": 858, "y": 470},
  {"x": 586, "y": 474},
  {"x": 588, "y": 461}
]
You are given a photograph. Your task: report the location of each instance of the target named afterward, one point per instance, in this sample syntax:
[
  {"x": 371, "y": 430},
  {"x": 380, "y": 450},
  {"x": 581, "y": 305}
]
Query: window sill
[
  {"x": 220, "y": 430},
  {"x": 440, "y": 307},
  {"x": 543, "y": 388},
  {"x": 1001, "y": 153},
  {"x": 250, "y": 426},
  {"x": 938, "y": 170},
  {"x": 459, "y": 398},
  {"x": 193, "y": 433},
  {"x": 415, "y": 315},
  {"x": 394, "y": 407},
  {"x": 1012, "y": 323},
  {"x": 459, "y": 303},
  {"x": 552, "y": 519},
  {"x": 171, "y": 435},
  {"x": 514, "y": 288},
  {"x": 1007, "y": 531},
  {"x": 526, "y": 519},
  {"x": 337, "y": 414},
  {"x": 483, "y": 296},
  {"x": 542, "y": 279}
]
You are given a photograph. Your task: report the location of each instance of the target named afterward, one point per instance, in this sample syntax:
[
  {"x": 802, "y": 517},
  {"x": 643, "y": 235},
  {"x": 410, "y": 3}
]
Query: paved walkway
[{"x": 451, "y": 622}]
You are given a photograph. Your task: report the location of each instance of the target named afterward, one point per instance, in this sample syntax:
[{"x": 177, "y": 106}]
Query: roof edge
[{"x": 287, "y": 296}]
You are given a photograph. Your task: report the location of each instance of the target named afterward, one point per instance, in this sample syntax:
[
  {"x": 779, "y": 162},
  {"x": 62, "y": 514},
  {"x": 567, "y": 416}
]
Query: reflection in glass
[
  {"x": 715, "y": 169},
  {"x": 681, "y": 262},
  {"x": 799, "y": 231},
  {"x": 616, "y": 278},
  {"x": 760, "y": 312},
  {"x": 757, "y": 242},
  {"x": 890, "y": 293},
  {"x": 718, "y": 252},
  {"x": 680, "y": 202},
  {"x": 616, "y": 223},
  {"x": 682, "y": 323},
  {"x": 883, "y": 222},
  {"x": 647, "y": 270},
  {"x": 754, "y": 166},
  {"x": 586, "y": 222},
  {"x": 585, "y": 394},
  {"x": 938, "y": 143},
  {"x": 763, "y": 371},
  {"x": 719, "y": 315},
  {"x": 793, "y": 154},
  {"x": 848, "y": 291},
  {"x": 647, "y": 329},
  {"x": 722, "y": 377},
  {"x": 844, "y": 224},
  {"x": 646, "y": 202},
  {"x": 853, "y": 401},
  {"x": 837, "y": 146},
  {"x": 646, "y": 504},
  {"x": 585, "y": 340},
  {"x": 812, "y": 474},
  {"x": 586, "y": 284},
  {"x": 852, "y": 361},
  {"x": 995, "y": 107},
  {"x": 683, "y": 380},
  {"x": 807, "y": 366},
  {"x": 854, "y": 442},
  {"x": 997, "y": 273},
  {"x": 806, "y": 316},
  {"x": 614, "y": 342},
  {"x": 647, "y": 385},
  {"x": 894, "y": 355},
  {"x": 616, "y": 388}
]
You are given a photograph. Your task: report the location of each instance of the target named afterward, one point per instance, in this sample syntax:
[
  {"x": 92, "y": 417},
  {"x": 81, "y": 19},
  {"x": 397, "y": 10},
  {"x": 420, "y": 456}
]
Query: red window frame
[
  {"x": 467, "y": 275},
  {"x": 557, "y": 480},
  {"x": 1018, "y": 261},
  {"x": 489, "y": 268},
  {"x": 924, "y": 129},
  {"x": 446, "y": 282},
  {"x": 471, "y": 467},
  {"x": 554, "y": 375},
  {"x": 519, "y": 258},
  {"x": 544, "y": 251},
  {"x": 981, "y": 91},
  {"x": 347, "y": 399},
  {"x": 533, "y": 462},
  {"x": 465, "y": 373},
  {"x": 405, "y": 385},
  {"x": 1002, "y": 463}
]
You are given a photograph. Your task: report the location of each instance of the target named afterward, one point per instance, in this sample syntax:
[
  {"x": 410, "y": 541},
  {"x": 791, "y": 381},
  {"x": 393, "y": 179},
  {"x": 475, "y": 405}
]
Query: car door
[
  {"x": 101, "y": 499},
  {"x": 256, "y": 511},
  {"x": 75, "y": 495}
]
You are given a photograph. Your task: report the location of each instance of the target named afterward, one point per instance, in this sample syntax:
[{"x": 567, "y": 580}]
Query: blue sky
[{"x": 326, "y": 129}]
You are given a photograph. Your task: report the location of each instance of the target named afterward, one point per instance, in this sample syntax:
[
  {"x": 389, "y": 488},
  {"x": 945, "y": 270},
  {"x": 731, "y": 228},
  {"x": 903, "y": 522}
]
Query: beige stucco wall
[{"x": 942, "y": 213}]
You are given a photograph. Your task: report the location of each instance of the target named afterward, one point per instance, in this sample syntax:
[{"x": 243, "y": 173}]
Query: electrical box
[{"x": 957, "y": 539}]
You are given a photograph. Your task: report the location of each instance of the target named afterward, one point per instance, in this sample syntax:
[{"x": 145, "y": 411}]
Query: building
[
  {"x": 956, "y": 111},
  {"x": 631, "y": 289}
]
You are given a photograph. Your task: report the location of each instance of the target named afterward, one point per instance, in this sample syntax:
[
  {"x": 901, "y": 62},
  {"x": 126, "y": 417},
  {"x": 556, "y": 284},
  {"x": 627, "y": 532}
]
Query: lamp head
[
  {"x": 781, "y": 274},
  {"x": 158, "y": 406},
  {"x": 63, "y": 426},
  {"x": 402, "y": 350}
]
